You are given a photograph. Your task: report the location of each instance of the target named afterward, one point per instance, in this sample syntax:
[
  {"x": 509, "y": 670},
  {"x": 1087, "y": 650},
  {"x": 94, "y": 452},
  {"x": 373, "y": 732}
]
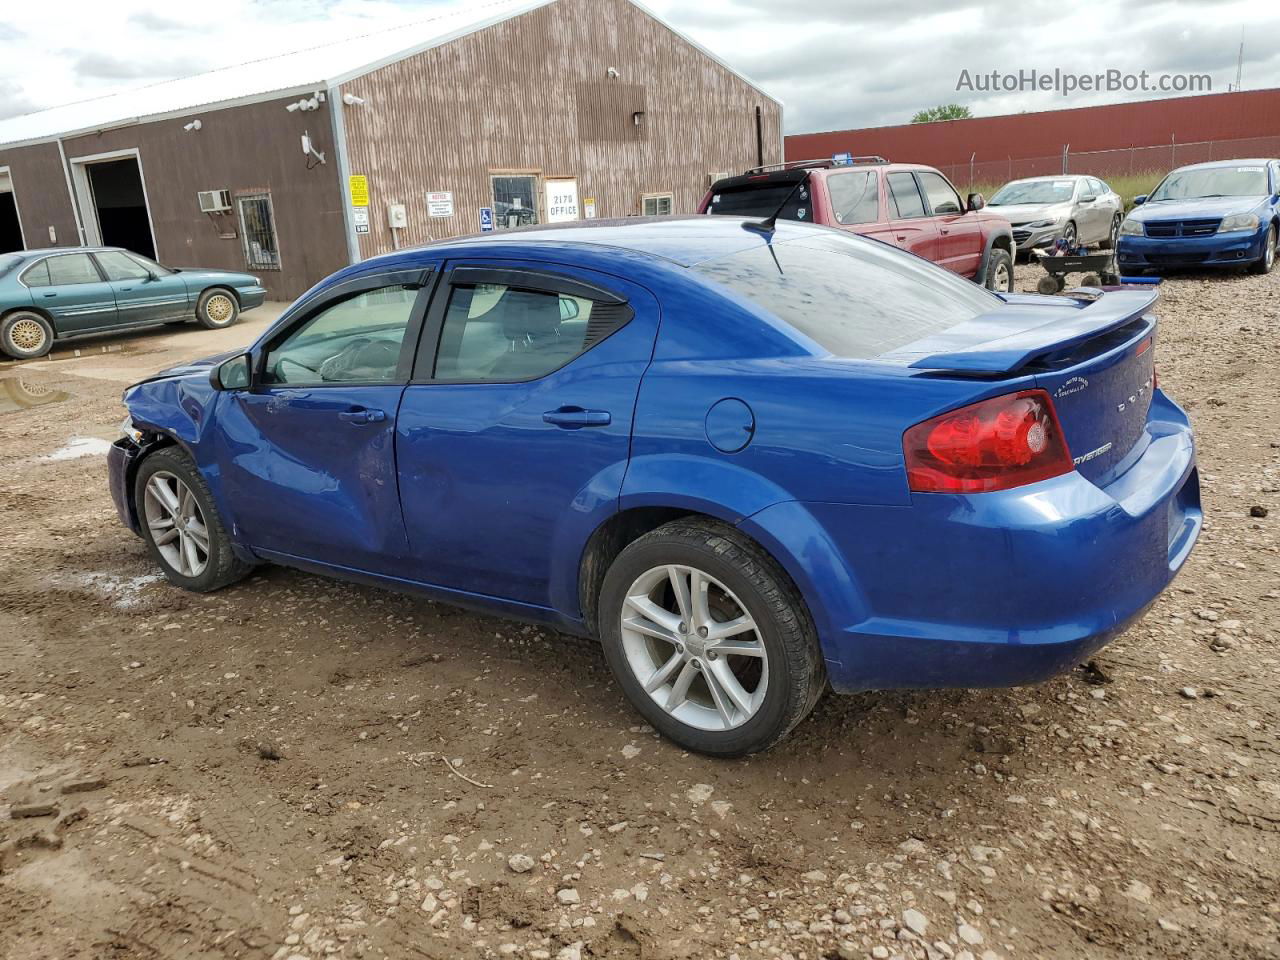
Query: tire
[
  {"x": 1265, "y": 264},
  {"x": 1048, "y": 286},
  {"x": 1091, "y": 280},
  {"x": 999, "y": 271},
  {"x": 1070, "y": 235},
  {"x": 25, "y": 335},
  {"x": 217, "y": 308},
  {"x": 171, "y": 468},
  {"x": 779, "y": 683},
  {"x": 1110, "y": 242}
]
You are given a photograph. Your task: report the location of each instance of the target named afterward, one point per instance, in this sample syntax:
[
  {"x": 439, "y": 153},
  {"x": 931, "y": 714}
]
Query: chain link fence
[{"x": 1126, "y": 161}]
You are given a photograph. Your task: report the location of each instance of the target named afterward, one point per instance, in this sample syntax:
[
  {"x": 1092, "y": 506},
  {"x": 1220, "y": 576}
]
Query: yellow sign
[{"x": 359, "y": 185}]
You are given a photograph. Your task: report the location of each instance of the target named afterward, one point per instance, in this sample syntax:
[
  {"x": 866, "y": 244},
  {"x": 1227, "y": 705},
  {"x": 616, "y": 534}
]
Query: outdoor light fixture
[
  {"x": 351, "y": 100},
  {"x": 307, "y": 103},
  {"x": 613, "y": 73},
  {"x": 193, "y": 125}
]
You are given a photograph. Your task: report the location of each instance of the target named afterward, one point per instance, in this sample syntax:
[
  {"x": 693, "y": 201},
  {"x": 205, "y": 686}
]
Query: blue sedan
[
  {"x": 1220, "y": 214},
  {"x": 61, "y": 292},
  {"x": 754, "y": 460}
]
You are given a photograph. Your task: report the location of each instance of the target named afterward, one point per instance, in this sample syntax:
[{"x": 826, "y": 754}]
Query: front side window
[
  {"x": 943, "y": 198},
  {"x": 905, "y": 196},
  {"x": 121, "y": 266},
  {"x": 356, "y": 340},
  {"x": 855, "y": 197},
  {"x": 493, "y": 332},
  {"x": 71, "y": 268},
  {"x": 515, "y": 201},
  {"x": 258, "y": 228},
  {"x": 657, "y": 205},
  {"x": 158, "y": 269},
  {"x": 854, "y": 297}
]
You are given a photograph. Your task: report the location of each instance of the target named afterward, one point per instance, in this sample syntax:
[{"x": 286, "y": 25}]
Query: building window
[
  {"x": 515, "y": 201},
  {"x": 258, "y": 228},
  {"x": 657, "y": 204}
]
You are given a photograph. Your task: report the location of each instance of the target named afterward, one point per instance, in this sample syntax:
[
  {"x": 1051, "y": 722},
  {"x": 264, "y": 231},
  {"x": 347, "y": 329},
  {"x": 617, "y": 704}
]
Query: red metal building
[{"x": 1103, "y": 140}]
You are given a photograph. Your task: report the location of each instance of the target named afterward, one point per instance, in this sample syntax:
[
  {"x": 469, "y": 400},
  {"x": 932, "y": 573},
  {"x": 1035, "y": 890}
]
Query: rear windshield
[
  {"x": 762, "y": 199},
  {"x": 854, "y": 297}
]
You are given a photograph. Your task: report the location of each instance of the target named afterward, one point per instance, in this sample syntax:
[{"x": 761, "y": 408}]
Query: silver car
[{"x": 1082, "y": 210}]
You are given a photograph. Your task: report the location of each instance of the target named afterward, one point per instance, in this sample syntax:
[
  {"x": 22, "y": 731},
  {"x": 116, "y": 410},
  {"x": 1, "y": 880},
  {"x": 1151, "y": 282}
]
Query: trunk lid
[{"x": 1095, "y": 359}]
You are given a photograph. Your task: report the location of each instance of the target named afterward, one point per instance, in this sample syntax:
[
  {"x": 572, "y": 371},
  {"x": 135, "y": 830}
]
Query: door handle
[
  {"x": 50, "y": 294},
  {"x": 943, "y": 231},
  {"x": 362, "y": 415},
  {"x": 571, "y": 418}
]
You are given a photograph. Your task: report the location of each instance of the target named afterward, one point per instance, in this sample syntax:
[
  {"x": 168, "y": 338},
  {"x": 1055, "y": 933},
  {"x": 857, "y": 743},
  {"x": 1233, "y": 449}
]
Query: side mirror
[
  {"x": 151, "y": 276},
  {"x": 233, "y": 374},
  {"x": 1089, "y": 198},
  {"x": 1140, "y": 199},
  {"x": 976, "y": 201}
]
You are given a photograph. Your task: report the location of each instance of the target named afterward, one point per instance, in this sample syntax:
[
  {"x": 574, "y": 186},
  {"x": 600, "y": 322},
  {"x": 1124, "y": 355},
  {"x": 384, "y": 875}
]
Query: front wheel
[
  {"x": 217, "y": 308},
  {"x": 1268, "y": 260},
  {"x": 1000, "y": 271},
  {"x": 181, "y": 526},
  {"x": 709, "y": 639},
  {"x": 1110, "y": 242},
  {"x": 1069, "y": 236}
]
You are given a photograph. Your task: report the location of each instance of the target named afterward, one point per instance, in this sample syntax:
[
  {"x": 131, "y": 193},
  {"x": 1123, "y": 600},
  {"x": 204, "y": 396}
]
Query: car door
[
  {"x": 144, "y": 293},
  {"x": 912, "y": 231},
  {"x": 515, "y": 433},
  {"x": 71, "y": 289},
  {"x": 306, "y": 456},
  {"x": 960, "y": 241},
  {"x": 1089, "y": 212}
]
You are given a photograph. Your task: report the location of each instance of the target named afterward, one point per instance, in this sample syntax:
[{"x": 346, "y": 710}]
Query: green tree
[{"x": 946, "y": 111}]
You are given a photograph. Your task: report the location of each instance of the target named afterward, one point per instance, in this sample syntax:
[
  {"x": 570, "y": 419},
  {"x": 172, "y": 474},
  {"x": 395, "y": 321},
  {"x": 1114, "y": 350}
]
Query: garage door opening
[
  {"x": 113, "y": 202},
  {"x": 10, "y": 225}
]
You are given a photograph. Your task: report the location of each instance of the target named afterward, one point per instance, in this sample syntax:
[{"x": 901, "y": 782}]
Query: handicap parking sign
[{"x": 486, "y": 219}]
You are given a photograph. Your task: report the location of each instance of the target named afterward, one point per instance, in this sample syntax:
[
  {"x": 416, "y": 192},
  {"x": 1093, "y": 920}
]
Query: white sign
[
  {"x": 440, "y": 204},
  {"x": 360, "y": 218},
  {"x": 562, "y": 200}
]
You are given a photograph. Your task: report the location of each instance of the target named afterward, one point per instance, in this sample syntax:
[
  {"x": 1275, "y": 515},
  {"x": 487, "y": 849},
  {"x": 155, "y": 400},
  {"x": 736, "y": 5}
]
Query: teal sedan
[{"x": 61, "y": 292}]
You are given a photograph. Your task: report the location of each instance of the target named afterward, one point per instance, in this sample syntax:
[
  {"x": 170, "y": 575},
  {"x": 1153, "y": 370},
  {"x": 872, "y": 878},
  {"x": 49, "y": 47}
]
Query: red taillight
[{"x": 991, "y": 445}]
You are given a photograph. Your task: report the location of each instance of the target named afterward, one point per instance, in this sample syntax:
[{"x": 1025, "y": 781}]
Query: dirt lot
[{"x": 300, "y": 768}]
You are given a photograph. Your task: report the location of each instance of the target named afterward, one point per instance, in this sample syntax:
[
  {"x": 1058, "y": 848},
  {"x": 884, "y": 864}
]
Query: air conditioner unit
[
  {"x": 713, "y": 177},
  {"x": 214, "y": 201}
]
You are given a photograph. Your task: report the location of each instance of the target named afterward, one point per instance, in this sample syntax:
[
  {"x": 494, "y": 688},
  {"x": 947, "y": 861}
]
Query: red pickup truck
[{"x": 908, "y": 205}]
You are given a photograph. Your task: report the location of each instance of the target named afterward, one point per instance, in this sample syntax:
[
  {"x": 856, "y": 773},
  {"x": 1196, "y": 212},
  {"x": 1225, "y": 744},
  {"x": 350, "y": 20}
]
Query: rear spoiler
[{"x": 1027, "y": 328}]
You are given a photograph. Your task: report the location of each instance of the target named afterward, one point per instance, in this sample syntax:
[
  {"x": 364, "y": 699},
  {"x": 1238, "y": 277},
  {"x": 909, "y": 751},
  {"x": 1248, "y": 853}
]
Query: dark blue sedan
[
  {"x": 62, "y": 292},
  {"x": 754, "y": 462}
]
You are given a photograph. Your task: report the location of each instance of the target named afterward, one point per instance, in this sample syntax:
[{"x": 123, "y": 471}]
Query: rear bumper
[
  {"x": 995, "y": 589},
  {"x": 121, "y": 466},
  {"x": 1219, "y": 250}
]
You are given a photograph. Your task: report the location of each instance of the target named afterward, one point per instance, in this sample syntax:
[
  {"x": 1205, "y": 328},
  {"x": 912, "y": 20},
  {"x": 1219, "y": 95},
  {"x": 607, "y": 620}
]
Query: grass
[{"x": 1127, "y": 185}]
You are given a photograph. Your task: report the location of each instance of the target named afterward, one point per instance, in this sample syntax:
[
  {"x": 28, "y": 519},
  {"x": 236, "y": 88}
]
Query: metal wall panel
[
  {"x": 511, "y": 99},
  {"x": 41, "y": 191}
]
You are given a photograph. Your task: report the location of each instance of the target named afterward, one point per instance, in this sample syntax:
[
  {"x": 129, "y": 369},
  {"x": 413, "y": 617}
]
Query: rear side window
[
  {"x": 37, "y": 276},
  {"x": 855, "y": 197},
  {"x": 496, "y": 333},
  {"x": 854, "y": 297},
  {"x": 904, "y": 197},
  {"x": 943, "y": 198},
  {"x": 761, "y": 199}
]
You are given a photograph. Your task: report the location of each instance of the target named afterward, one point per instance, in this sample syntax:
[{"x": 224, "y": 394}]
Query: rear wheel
[
  {"x": 999, "y": 271},
  {"x": 709, "y": 639},
  {"x": 217, "y": 308},
  {"x": 181, "y": 526},
  {"x": 25, "y": 335},
  {"x": 1268, "y": 260}
]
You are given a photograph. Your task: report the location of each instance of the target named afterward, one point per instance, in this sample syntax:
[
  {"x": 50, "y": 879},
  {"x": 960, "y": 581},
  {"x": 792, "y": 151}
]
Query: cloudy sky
[{"x": 837, "y": 64}]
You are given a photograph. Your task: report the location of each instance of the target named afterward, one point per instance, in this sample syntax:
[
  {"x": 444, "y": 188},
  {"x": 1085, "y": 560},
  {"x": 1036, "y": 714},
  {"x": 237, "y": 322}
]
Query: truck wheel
[
  {"x": 999, "y": 271},
  {"x": 709, "y": 639}
]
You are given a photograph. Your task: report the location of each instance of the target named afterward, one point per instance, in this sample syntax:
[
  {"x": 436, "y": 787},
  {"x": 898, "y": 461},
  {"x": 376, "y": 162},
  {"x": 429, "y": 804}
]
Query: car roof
[
  {"x": 1252, "y": 161},
  {"x": 44, "y": 251},
  {"x": 684, "y": 240}
]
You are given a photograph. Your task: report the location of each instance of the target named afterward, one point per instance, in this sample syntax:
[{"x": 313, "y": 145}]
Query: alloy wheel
[
  {"x": 1270, "y": 254},
  {"x": 694, "y": 648},
  {"x": 1069, "y": 235},
  {"x": 176, "y": 524},
  {"x": 27, "y": 335},
  {"x": 1004, "y": 278},
  {"x": 219, "y": 308}
]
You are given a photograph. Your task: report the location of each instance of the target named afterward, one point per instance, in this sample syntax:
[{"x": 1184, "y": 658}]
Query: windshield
[
  {"x": 1033, "y": 191},
  {"x": 762, "y": 199},
  {"x": 1242, "y": 181},
  {"x": 854, "y": 297}
]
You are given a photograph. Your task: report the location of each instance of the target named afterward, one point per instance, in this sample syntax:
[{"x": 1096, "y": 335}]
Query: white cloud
[{"x": 843, "y": 63}]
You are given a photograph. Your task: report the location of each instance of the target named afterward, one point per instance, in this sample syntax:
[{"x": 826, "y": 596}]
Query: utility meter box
[{"x": 397, "y": 218}]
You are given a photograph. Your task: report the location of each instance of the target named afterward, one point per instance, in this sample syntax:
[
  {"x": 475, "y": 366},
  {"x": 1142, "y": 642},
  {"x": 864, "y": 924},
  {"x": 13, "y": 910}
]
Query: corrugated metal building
[
  {"x": 1102, "y": 140},
  {"x": 504, "y": 114}
]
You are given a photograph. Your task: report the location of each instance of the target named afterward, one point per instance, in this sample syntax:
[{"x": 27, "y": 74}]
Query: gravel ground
[{"x": 297, "y": 768}]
